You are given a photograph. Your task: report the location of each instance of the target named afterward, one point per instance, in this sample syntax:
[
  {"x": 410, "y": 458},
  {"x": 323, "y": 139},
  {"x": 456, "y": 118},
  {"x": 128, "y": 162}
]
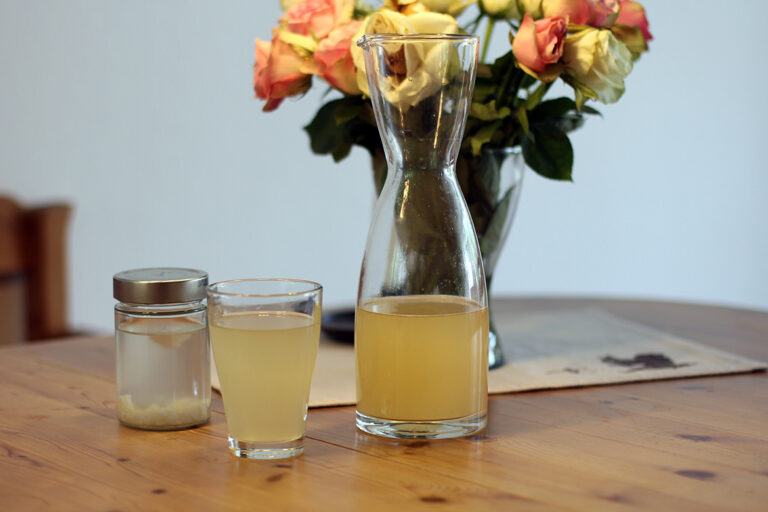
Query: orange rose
[
  {"x": 602, "y": 13},
  {"x": 575, "y": 11},
  {"x": 333, "y": 58},
  {"x": 316, "y": 18},
  {"x": 633, "y": 14},
  {"x": 277, "y": 73},
  {"x": 539, "y": 43}
]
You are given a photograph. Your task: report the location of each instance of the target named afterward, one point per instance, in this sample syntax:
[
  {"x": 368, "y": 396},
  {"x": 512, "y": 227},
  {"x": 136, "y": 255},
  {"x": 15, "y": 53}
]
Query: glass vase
[
  {"x": 421, "y": 329},
  {"x": 491, "y": 183}
]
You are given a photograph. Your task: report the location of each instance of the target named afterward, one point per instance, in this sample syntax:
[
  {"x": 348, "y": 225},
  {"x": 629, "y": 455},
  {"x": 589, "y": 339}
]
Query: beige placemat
[{"x": 557, "y": 350}]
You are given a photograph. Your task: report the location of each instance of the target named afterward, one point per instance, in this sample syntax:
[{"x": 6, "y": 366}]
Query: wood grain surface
[{"x": 695, "y": 444}]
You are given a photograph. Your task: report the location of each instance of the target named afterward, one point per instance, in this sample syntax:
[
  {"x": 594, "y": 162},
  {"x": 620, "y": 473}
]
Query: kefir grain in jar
[{"x": 161, "y": 335}]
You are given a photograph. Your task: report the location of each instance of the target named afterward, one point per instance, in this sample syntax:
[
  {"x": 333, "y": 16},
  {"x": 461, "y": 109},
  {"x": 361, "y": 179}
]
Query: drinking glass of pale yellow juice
[{"x": 264, "y": 334}]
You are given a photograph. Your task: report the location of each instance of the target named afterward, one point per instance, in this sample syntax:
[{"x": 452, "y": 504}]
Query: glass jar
[{"x": 162, "y": 359}]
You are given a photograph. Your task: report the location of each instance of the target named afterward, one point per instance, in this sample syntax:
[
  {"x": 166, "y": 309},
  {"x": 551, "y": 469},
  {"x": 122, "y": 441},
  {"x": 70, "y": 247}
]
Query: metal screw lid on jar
[{"x": 160, "y": 285}]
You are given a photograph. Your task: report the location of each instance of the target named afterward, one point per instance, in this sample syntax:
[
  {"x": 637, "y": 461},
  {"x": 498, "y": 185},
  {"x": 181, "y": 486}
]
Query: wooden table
[{"x": 697, "y": 444}]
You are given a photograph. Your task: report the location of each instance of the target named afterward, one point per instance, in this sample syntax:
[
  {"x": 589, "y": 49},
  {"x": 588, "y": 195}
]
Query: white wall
[{"x": 141, "y": 114}]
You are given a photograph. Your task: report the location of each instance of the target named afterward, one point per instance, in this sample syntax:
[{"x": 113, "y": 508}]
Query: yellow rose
[
  {"x": 452, "y": 7},
  {"x": 532, "y": 7},
  {"x": 596, "y": 64},
  {"x": 406, "y": 7},
  {"x": 423, "y": 80},
  {"x": 396, "y": 5},
  {"x": 500, "y": 8}
]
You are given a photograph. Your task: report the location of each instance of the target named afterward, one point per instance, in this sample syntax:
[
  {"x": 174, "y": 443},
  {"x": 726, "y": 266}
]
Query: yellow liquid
[
  {"x": 421, "y": 358},
  {"x": 265, "y": 363}
]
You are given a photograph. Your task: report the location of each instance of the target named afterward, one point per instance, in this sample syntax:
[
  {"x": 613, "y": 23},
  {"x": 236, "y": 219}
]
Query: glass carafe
[{"x": 421, "y": 327}]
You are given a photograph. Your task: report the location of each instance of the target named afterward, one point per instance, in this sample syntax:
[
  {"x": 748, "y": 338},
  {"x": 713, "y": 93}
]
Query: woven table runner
[{"x": 556, "y": 350}]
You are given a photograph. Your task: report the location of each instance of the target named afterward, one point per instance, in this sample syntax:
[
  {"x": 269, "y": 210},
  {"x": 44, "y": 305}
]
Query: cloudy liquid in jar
[
  {"x": 163, "y": 379},
  {"x": 421, "y": 358}
]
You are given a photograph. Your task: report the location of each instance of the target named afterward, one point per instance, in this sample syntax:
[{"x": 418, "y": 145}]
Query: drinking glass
[{"x": 264, "y": 334}]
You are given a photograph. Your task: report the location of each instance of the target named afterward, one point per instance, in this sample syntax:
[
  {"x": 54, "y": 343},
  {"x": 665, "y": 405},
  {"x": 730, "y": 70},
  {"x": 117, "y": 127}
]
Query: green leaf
[
  {"x": 500, "y": 65},
  {"x": 561, "y": 112},
  {"x": 579, "y": 97},
  {"x": 483, "y": 135},
  {"x": 346, "y": 111},
  {"x": 324, "y": 133},
  {"x": 341, "y": 124},
  {"x": 570, "y": 122},
  {"x": 483, "y": 91},
  {"x": 553, "y": 109},
  {"x": 589, "y": 110},
  {"x": 488, "y": 112},
  {"x": 341, "y": 151},
  {"x": 548, "y": 151},
  {"x": 580, "y": 91},
  {"x": 483, "y": 71},
  {"x": 522, "y": 117},
  {"x": 361, "y": 10}
]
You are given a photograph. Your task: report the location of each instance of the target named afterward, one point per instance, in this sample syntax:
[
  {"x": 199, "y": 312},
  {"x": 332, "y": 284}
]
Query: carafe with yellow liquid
[{"x": 421, "y": 326}]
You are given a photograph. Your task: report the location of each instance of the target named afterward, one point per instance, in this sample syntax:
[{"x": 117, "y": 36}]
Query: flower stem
[
  {"x": 536, "y": 96},
  {"x": 508, "y": 93},
  {"x": 472, "y": 26},
  {"x": 488, "y": 32}
]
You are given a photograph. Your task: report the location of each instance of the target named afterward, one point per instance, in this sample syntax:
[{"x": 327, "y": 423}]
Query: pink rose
[
  {"x": 602, "y": 12},
  {"x": 262, "y": 56},
  {"x": 316, "y": 18},
  {"x": 277, "y": 73},
  {"x": 575, "y": 11},
  {"x": 539, "y": 43},
  {"x": 633, "y": 14},
  {"x": 333, "y": 58}
]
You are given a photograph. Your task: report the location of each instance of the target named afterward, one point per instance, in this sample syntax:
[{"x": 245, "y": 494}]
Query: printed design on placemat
[
  {"x": 648, "y": 361},
  {"x": 569, "y": 369}
]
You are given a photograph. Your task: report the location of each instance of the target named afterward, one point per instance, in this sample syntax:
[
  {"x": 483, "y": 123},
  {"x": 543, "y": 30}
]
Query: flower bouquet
[{"x": 590, "y": 45}]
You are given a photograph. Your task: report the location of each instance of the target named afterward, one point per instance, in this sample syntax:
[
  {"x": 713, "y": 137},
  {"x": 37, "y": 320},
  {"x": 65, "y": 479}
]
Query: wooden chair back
[{"x": 33, "y": 271}]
